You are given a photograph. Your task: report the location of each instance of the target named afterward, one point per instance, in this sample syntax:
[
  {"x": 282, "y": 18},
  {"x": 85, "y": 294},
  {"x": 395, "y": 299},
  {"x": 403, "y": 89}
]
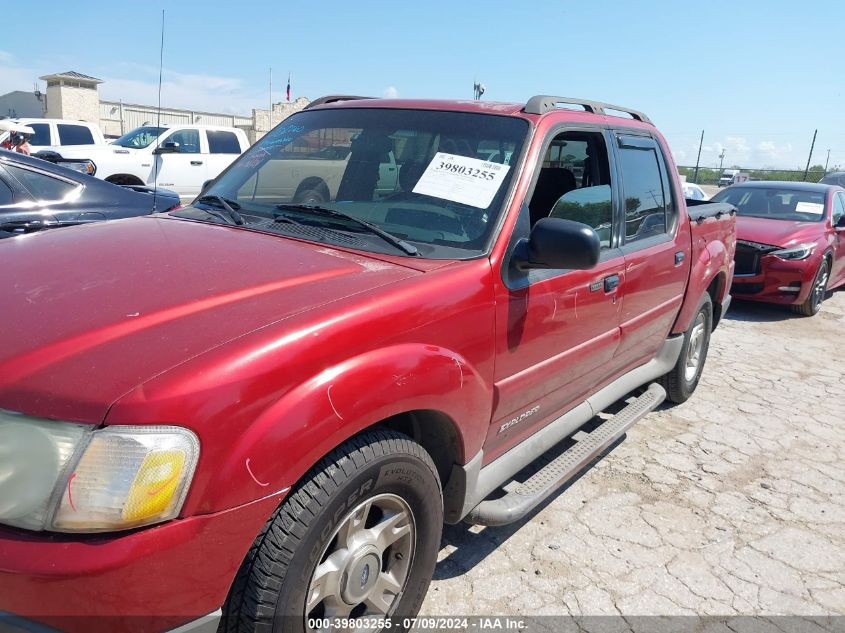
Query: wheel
[
  {"x": 357, "y": 537},
  {"x": 682, "y": 380},
  {"x": 811, "y": 306},
  {"x": 314, "y": 197}
]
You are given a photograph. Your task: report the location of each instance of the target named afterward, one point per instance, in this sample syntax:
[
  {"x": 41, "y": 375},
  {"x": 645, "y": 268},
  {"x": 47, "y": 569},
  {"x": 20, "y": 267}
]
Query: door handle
[
  {"x": 196, "y": 162},
  {"x": 679, "y": 257},
  {"x": 611, "y": 283}
]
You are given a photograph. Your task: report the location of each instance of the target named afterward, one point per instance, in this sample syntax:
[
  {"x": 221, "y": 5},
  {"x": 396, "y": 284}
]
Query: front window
[
  {"x": 775, "y": 203},
  {"x": 433, "y": 179},
  {"x": 140, "y": 137},
  {"x": 75, "y": 135}
]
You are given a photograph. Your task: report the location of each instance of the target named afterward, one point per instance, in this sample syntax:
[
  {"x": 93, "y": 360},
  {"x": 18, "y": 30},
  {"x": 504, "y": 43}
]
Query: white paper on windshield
[
  {"x": 461, "y": 179},
  {"x": 816, "y": 208}
]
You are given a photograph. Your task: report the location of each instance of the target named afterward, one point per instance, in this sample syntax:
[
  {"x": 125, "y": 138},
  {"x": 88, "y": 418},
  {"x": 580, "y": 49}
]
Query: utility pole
[
  {"x": 478, "y": 89},
  {"x": 826, "y": 161},
  {"x": 698, "y": 160},
  {"x": 721, "y": 160},
  {"x": 810, "y": 157}
]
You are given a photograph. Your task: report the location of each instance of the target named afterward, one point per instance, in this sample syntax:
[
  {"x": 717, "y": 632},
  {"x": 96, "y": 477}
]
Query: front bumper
[
  {"x": 779, "y": 281},
  {"x": 148, "y": 580}
]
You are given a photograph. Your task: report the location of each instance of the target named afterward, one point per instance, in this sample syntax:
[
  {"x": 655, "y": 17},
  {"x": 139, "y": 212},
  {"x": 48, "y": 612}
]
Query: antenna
[{"x": 158, "y": 124}]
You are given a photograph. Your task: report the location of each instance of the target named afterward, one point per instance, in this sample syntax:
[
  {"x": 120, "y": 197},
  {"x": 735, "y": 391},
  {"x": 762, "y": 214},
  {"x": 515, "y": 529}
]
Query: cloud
[
  {"x": 390, "y": 92},
  {"x": 181, "y": 90},
  {"x": 137, "y": 83}
]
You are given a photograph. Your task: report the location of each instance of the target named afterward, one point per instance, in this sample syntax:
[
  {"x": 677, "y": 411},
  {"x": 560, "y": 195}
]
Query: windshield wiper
[
  {"x": 228, "y": 206},
  {"x": 402, "y": 245}
]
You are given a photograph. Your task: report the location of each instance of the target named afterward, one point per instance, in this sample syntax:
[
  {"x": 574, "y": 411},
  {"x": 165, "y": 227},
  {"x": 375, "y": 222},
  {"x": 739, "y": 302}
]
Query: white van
[{"x": 178, "y": 157}]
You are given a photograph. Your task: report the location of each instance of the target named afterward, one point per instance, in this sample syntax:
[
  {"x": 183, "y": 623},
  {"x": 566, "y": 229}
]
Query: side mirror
[
  {"x": 558, "y": 244},
  {"x": 167, "y": 148},
  {"x": 841, "y": 223}
]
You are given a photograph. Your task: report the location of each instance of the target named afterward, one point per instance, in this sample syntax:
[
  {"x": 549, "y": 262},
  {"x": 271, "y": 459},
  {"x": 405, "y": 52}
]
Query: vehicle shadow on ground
[
  {"x": 752, "y": 311},
  {"x": 469, "y": 545}
]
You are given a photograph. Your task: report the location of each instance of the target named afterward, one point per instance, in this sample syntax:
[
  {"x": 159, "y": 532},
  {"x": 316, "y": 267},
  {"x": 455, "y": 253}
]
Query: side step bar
[{"x": 522, "y": 498}]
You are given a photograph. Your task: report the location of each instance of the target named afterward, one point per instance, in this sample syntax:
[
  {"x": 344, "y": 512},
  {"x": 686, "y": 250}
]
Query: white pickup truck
[
  {"x": 53, "y": 133},
  {"x": 177, "y": 157}
]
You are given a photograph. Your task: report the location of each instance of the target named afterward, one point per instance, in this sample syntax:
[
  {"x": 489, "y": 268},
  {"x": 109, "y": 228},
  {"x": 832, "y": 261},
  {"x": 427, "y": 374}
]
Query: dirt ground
[{"x": 732, "y": 503}]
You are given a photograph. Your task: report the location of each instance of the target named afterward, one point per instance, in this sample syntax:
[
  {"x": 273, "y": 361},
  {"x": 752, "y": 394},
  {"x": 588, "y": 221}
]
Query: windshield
[
  {"x": 139, "y": 137},
  {"x": 775, "y": 203},
  {"x": 435, "y": 179}
]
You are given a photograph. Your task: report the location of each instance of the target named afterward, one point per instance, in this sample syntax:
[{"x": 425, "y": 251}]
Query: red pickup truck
[{"x": 263, "y": 406}]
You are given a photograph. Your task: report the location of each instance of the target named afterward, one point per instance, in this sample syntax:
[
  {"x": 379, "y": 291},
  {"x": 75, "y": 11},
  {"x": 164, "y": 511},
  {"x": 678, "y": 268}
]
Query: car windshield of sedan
[
  {"x": 775, "y": 203},
  {"x": 434, "y": 180},
  {"x": 139, "y": 138}
]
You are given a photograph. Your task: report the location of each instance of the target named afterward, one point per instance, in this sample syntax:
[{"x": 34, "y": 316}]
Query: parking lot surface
[{"x": 732, "y": 503}]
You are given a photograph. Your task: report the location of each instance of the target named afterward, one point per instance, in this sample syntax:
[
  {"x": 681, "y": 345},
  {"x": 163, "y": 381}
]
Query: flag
[{"x": 288, "y": 87}]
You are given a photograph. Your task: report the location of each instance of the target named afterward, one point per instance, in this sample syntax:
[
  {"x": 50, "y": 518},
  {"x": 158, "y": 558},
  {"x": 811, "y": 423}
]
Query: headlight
[
  {"x": 70, "y": 478},
  {"x": 85, "y": 166},
  {"x": 802, "y": 251}
]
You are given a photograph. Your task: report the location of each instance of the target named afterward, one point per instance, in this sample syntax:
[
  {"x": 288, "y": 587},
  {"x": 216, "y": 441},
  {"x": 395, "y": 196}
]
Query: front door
[
  {"x": 557, "y": 330},
  {"x": 183, "y": 171},
  {"x": 837, "y": 272}
]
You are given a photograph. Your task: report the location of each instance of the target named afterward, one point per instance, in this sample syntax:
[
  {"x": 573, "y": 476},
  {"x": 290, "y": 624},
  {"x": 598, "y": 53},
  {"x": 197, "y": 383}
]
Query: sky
[{"x": 758, "y": 76}]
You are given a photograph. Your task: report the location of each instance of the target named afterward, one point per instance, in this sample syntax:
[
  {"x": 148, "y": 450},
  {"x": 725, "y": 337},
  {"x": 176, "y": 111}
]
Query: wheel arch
[
  {"x": 432, "y": 394},
  {"x": 312, "y": 182},
  {"x": 124, "y": 179}
]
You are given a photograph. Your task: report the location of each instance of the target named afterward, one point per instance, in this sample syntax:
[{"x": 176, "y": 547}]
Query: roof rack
[
  {"x": 540, "y": 104},
  {"x": 334, "y": 99}
]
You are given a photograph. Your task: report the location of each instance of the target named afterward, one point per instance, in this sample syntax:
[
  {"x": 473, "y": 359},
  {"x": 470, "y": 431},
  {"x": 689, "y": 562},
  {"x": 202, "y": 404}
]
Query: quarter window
[
  {"x": 75, "y": 135},
  {"x": 220, "y": 142},
  {"x": 646, "y": 195},
  {"x": 41, "y": 186}
]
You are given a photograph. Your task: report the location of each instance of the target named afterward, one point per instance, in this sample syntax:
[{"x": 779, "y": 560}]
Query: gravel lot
[{"x": 732, "y": 503}]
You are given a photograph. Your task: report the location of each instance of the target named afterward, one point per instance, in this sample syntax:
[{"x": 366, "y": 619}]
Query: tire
[
  {"x": 813, "y": 303},
  {"x": 681, "y": 381},
  {"x": 315, "y": 196},
  {"x": 360, "y": 489}
]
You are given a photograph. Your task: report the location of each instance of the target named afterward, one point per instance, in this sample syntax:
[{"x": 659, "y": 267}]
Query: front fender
[{"x": 293, "y": 433}]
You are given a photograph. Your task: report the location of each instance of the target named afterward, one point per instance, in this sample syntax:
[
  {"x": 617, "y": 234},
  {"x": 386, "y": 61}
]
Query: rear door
[
  {"x": 557, "y": 330},
  {"x": 656, "y": 246}
]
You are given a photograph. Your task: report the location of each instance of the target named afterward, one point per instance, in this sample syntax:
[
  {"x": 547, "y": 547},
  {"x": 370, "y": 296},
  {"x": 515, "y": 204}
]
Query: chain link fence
[{"x": 710, "y": 176}]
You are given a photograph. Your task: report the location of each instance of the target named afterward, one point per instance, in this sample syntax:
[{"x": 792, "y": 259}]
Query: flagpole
[{"x": 270, "y": 127}]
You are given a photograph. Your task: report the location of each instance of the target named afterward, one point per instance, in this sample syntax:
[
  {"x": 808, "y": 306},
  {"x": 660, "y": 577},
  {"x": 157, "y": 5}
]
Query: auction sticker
[
  {"x": 461, "y": 179},
  {"x": 815, "y": 208}
]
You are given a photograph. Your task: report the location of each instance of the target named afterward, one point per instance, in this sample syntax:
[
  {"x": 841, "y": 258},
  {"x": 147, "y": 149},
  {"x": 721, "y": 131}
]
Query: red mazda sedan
[{"x": 790, "y": 242}]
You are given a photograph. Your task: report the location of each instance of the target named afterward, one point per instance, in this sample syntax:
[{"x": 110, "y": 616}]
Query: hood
[
  {"x": 91, "y": 312},
  {"x": 90, "y": 151},
  {"x": 781, "y": 233}
]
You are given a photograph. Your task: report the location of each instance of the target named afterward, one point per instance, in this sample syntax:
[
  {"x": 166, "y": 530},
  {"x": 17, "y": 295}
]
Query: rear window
[
  {"x": 220, "y": 142},
  {"x": 775, "y": 203},
  {"x": 41, "y": 186},
  {"x": 42, "y": 134},
  {"x": 74, "y": 135}
]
